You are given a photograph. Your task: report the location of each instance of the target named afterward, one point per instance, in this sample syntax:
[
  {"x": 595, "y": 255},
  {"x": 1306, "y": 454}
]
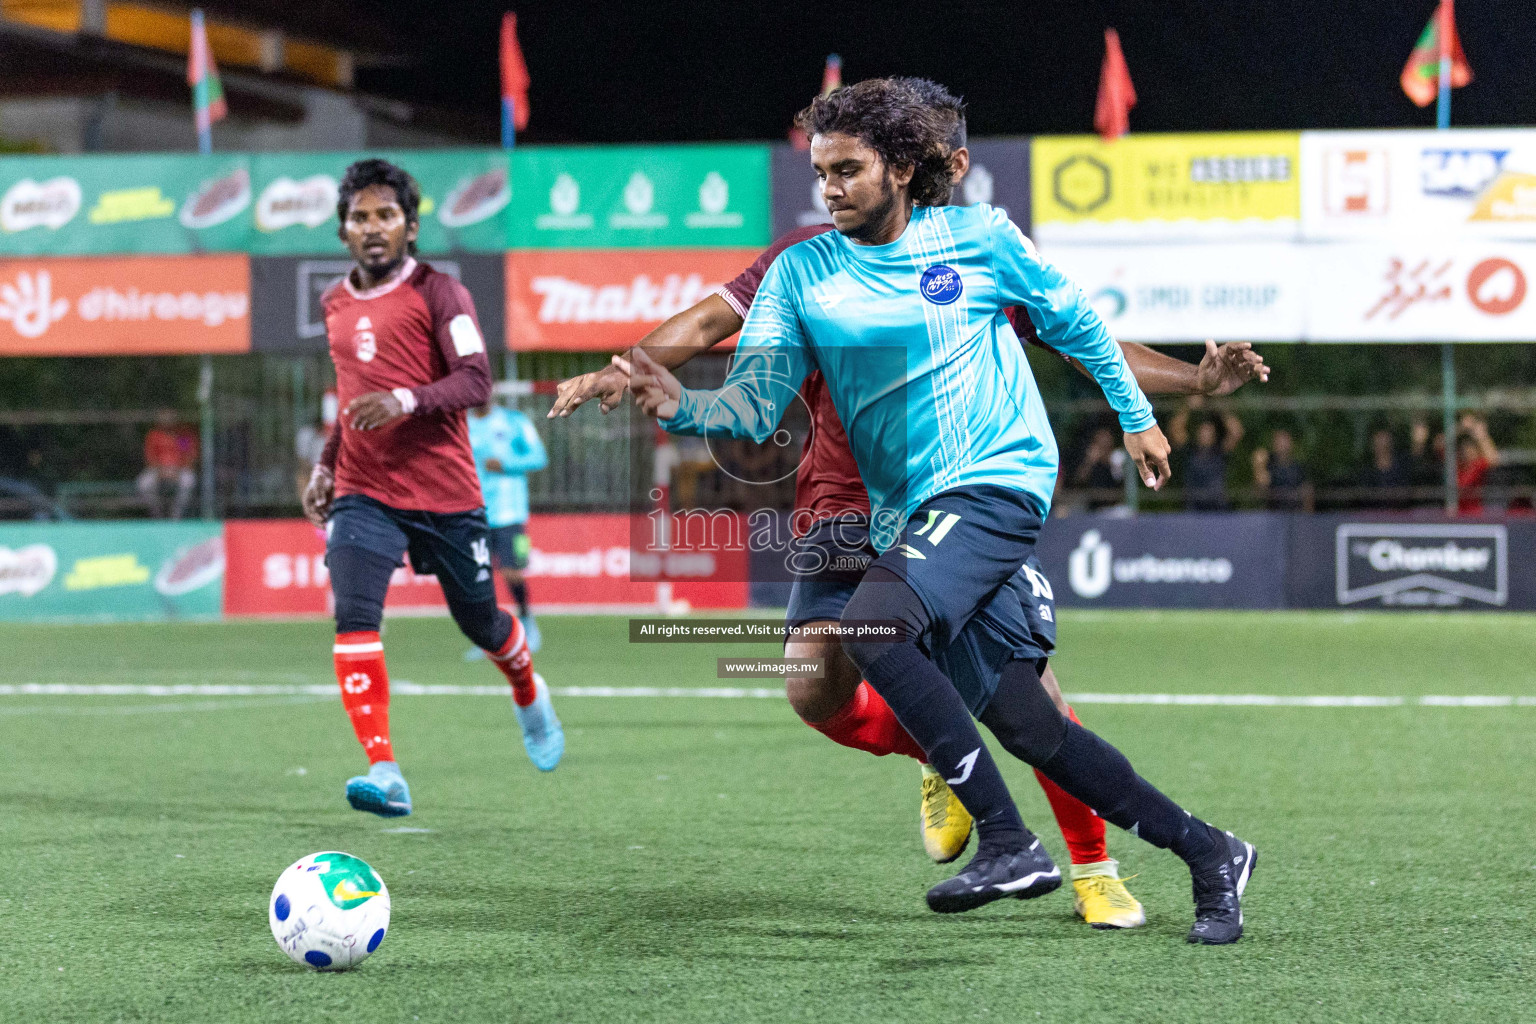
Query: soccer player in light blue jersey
[
  {"x": 507, "y": 448},
  {"x": 902, "y": 310}
]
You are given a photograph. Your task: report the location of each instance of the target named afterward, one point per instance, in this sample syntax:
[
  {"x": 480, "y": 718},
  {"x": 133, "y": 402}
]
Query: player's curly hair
[
  {"x": 908, "y": 121},
  {"x": 373, "y": 171}
]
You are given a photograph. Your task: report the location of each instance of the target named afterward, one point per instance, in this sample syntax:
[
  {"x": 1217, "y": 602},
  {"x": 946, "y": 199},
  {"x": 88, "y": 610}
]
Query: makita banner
[
  {"x": 286, "y": 290},
  {"x": 1225, "y": 560},
  {"x": 1380, "y": 562},
  {"x": 609, "y": 299}
]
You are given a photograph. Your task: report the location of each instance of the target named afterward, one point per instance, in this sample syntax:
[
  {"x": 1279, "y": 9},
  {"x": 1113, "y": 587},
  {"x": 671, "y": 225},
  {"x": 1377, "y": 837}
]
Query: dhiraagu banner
[
  {"x": 1154, "y": 188},
  {"x": 122, "y": 571},
  {"x": 640, "y": 197}
]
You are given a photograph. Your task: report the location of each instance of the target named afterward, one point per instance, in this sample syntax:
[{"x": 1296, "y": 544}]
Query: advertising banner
[
  {"x": 1340, "y": 561},
  {"x": 1236, "y": 186},
  {"x": 1253, "y": 291},
  {"x": 1421, "y": 291},
  {"x": 110, "y": 571},
  {"x": 607, "y": 300},
  {"x": 145, "y": 305},
  {"x": 286, "y": 291},
  {"x": 277, "y": 567},
  {"x": 999, "y": 176},
  {"x": 270, "y": 203},
  {"x": 1457, "y": 184},
  {"x": 636, "y": 197},
  {"x": 1228, "y": 560}
]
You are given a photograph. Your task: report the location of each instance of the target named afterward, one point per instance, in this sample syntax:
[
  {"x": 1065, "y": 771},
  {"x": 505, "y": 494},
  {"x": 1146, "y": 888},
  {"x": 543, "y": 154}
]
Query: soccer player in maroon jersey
[
  {"x": 841, "y": 705},
  {"x": 398, "y": 475}
]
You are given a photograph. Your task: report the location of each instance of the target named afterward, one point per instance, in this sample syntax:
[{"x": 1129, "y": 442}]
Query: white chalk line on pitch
[{"x": 405, "y": 688}]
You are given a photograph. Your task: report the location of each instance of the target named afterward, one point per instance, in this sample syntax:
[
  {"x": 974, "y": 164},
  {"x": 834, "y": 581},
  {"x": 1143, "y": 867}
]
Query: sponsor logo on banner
[
  {"x": 476, "y": 199},
  {"x": 1092, "y": 568},
  {"x": 1192, "y": 292},
  {"x": 217, "y": 200},
  {"x": 126, "y": 205},
  {"x": 714, "y": 197},
  {"x": 1242, "y": 185},
  {"x": 1464, "y": 183},
  {"x": 124, "y": 306},
  {"x": 1407, "y": 565},
  {"x": 639, "y": 197},
  {"x": 607, "y": 299},
  {"x": 564, "y": 207},
  {"x": 1453, "y": 292},
  {"x": 39, "y": 204},
  {"x": 27, "y": 570},
  {"x": 286, "y": 203}
]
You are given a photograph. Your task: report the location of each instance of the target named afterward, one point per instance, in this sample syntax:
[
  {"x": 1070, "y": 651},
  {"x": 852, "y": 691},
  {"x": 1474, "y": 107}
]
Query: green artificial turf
[{"x": 699, "y": 859}]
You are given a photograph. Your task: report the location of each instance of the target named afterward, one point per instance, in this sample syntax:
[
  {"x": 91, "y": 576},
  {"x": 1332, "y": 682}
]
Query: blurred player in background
[
  {"x": 842, "y": 705},
  {"x": 507, "y": 448},
  {"x": 398, "y": 475}
]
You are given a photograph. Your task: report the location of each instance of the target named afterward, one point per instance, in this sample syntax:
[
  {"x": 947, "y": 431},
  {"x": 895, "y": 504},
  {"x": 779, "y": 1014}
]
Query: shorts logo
[
  {"x": 357, "y": 682},
  {"x": 481, "y": 550},
  {"x": 941, "y": 284}
]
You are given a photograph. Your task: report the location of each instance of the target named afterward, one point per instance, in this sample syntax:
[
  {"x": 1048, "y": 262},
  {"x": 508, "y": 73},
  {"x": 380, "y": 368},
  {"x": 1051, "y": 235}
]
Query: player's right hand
[
  {"x": 317, "y": 495},
  {"x": 656, "y": 391},
  {"x": 607, "y": 384}
]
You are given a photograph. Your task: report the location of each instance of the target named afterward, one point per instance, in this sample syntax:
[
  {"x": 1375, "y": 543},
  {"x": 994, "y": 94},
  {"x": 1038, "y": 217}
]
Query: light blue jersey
[
  {"x": 510, "y": 438},
  {"x": 928, "y": 377}
]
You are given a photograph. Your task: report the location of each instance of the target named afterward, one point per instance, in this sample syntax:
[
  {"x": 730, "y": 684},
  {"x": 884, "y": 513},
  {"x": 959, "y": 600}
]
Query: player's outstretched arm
[
  {"x": 696, "y": 329},
  {"x": 1223, "y": 369}
]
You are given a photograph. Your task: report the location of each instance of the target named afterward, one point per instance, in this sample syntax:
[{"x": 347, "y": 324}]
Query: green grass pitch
[{"x": 714, "y": 860}]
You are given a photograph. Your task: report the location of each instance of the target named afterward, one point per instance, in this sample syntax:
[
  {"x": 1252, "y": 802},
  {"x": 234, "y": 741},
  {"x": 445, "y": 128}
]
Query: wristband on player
[{"x": 407, "y": 399}]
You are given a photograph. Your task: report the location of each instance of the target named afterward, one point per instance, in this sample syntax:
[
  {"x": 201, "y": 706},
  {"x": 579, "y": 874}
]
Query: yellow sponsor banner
[{"x": 1227, "y": 185}]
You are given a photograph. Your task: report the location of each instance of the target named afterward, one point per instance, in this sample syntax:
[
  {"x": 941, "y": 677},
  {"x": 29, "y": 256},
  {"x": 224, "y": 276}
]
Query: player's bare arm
[
  {"x": 696, "y": 329},
  {"x": 1222, "y": 370}
]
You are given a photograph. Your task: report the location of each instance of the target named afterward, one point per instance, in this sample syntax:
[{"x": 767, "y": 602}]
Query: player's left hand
[
  {"x": 373, "y": 410},
  {"x": 1149, "y": 451},
  {"x": 1229, "y": 367},
  {"x": 656, "y": 391}
]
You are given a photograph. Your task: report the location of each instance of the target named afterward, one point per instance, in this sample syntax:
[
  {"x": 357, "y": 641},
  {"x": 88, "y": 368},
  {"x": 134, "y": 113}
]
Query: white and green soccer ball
[{"x": 329, "y": 911}]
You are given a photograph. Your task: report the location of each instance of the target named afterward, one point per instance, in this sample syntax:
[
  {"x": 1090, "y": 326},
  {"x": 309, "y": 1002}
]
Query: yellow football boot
[
  {"x": 1102, "y": 898},
  {"x": 946, "y": 823}
]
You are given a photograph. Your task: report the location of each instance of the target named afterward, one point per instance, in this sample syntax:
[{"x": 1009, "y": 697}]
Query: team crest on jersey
[
  {"x": 364, "y": 341},
  {"x": 941, "y": 284}
]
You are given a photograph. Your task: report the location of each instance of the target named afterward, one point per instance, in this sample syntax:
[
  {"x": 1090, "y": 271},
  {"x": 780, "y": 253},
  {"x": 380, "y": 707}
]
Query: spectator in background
[
  {"x": 1102, "y": 470},
  {"x": 1476, "y": 457},
  {"x": 1387, "y": 472},
  {"x": 1281, "y": 481},
  {"x": 170, "y": 453},
  {"x": 1426, "y": 460},
  {"x": 1205, "y": 460}
]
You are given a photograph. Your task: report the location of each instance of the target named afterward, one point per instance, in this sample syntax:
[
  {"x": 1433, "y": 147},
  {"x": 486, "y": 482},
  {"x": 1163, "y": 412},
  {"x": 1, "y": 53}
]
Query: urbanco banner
[
  {"x": 142, "y": 305},
  {"x": 1254, "y": 291},
  {"x": 607, "y": 300},
  {"x": 1464, "y": 183}
]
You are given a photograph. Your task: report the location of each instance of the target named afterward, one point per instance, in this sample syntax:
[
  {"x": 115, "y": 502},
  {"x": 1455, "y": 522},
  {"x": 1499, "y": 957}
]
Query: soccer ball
[{"x": 329, "y": 911}]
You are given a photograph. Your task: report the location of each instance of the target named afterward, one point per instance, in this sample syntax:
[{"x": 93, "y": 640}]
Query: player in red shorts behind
[
  {"x": 398, "y": 476},
  {"x": 841, "y": 705}
]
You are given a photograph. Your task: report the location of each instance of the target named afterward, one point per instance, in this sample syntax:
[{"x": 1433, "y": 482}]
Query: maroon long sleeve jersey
[{"x": 416, "y": 335}]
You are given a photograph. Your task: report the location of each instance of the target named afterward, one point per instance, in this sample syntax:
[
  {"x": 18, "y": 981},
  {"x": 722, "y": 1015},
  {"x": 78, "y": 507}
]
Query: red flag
[
  {"x": 208, "y": 104},
  {"x": 1112, "y": 112},
  {"x": 514, "y": 73},
  {"x": 1421, "y": 75}
]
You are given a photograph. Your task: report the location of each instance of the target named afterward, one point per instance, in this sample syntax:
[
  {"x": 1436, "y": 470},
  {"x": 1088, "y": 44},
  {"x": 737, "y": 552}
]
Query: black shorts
[
  {"x": 510, "y": 546},
  {"x": 453, "y": 546}
]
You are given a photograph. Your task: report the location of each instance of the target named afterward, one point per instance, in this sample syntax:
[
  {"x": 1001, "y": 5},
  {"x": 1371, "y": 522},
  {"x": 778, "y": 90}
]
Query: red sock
[
  {"x": 516, "y": 663},
  {"x": 365, "y": 691},
  {"x": 867, "y": 722},
  {"x": 1080, "y": 827}
]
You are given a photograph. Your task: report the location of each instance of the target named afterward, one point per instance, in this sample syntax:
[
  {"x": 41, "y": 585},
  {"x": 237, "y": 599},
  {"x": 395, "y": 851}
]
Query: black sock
[
  {"x": 931, "y": 710},
  {"x": 1099, "y": 775},
  {"x": 520, "y": 595}
]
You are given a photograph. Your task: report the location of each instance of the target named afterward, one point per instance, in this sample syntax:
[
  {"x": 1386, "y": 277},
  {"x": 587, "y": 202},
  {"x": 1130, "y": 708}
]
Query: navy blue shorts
[
  {"x": 1017, "y": 621},
  {"x": 455, "y": 547},
  {"x": 510, "y": 546}
]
